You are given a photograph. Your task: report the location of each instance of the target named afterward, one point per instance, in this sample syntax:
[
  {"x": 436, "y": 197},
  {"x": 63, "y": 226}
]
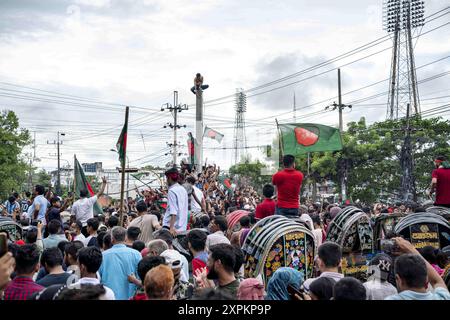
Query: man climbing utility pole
[{"x": 197, "y": 89}]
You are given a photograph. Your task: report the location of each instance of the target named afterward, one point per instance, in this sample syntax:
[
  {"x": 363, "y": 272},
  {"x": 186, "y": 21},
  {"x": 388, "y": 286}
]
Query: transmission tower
[
  {"x": 400, "y": 19},
  {"x": 240, "y": 141}
]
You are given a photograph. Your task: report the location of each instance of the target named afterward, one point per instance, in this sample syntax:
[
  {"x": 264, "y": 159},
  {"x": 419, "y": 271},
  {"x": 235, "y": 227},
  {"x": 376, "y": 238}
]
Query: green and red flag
[
  {"x": 80, "y": 183},
  {"x": 213, "y": 134},
  {"x": 191, "y": 148},
  {"x": 226, "y": 182},
  {"x": 121, "y": 144},
  {"x": 301, "y": 138}
]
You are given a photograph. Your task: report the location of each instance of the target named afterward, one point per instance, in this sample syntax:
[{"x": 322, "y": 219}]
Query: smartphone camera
[{"x": 388, "y": 245}]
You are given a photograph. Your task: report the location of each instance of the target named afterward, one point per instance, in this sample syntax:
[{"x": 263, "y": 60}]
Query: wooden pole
[{"x": 122, "y": 185}]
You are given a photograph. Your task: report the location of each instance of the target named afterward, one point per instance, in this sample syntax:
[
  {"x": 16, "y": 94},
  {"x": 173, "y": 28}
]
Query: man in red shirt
[
  {"x": 441, "y": 182},
  {"x": 267, "y": 207},
  {"x": 288, "y": 183}
]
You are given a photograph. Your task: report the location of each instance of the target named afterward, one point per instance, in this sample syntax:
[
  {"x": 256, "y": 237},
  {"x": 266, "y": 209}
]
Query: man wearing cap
[
  {"x": 176, "y": 216},
  {"x": 182, "y": 289},
  {"x": 440, "y": 182},
  {"x": 377, "y": 286}
]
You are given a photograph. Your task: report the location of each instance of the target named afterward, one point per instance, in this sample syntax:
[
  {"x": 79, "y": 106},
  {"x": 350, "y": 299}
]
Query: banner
[{"x": 301, "y": 138}]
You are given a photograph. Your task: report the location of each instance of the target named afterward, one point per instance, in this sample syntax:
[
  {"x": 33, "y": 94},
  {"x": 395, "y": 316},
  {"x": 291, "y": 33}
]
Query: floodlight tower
[
  {"x": 240, "y": 143},
  {"x": 400, "y": 19}
]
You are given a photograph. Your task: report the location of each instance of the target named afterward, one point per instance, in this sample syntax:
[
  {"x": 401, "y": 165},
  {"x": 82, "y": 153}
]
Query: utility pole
[
  {"x": 175, "y": 108},
  {"x": 58, "y": 179},
  {"x": 198, "y": 149},
  {"x": 407, "y": 162},
  {"x": 343, "y": 165}
]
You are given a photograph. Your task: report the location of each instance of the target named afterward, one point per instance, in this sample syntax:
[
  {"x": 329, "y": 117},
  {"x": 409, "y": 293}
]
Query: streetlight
[{"x": 128, "y": 174}]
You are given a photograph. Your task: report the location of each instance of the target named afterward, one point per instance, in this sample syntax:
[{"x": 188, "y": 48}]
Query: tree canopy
[{"x": 12, "y": 165}]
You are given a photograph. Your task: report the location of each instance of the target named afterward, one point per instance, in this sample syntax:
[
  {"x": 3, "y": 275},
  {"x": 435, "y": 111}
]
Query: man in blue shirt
[
  {"x": 40, "y": 204},
  {"x": 412, "y": 275},
  {"x": 118, "y": 263}
]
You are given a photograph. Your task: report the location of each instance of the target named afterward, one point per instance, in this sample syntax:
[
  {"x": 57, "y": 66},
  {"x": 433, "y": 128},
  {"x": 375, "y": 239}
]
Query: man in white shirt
[
  {"x": 89, "y": 262},
  {"x": 217, "y": 227},
  {"x": 329, "y": 261},
  {"x": 317, "y": 230},
  {"x": 176, "y": 216},
  {"x": 83, "y": 208},
  {"x": 196, "y": 199},
  {"x": 77, "y": 226}
]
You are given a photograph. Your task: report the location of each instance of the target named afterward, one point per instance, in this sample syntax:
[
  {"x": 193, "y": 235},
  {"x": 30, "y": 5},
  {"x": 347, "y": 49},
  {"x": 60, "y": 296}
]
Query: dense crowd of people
[{"x": 68, "y": 253}]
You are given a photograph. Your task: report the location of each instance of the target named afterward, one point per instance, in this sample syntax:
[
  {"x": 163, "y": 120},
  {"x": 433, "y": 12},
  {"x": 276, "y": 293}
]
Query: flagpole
[{"x": 122, "y": 185}]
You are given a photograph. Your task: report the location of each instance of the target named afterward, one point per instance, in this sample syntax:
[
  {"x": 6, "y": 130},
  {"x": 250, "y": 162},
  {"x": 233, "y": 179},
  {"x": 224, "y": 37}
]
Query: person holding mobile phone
[{"x": 7, "y": 263}]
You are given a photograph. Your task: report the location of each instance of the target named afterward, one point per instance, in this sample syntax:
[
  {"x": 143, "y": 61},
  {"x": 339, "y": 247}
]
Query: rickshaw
[
  {"x": 352, "y": 230},
  {"x": 275, "y": 242}
]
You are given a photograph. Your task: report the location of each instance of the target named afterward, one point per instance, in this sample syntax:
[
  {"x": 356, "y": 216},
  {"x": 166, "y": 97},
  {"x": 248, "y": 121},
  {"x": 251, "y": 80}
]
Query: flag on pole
[
  {"x": 213, "y": 134},
  {"x": 81, "y": 183},
  {"x": 191, "y": 148},
  {"x": 121, "y": 144},
  {"x": 301, "y": 138}
]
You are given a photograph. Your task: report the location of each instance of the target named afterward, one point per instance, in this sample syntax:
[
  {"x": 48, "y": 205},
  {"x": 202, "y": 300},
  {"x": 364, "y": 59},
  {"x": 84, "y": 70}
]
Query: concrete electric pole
[{"x": 175, "y": 108}]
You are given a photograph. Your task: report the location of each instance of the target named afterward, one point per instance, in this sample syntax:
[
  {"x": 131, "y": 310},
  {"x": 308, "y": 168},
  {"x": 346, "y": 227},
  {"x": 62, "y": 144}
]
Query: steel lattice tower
[
  {"x": 400, "y": 20},
  {"x": 240, "y": 141}
]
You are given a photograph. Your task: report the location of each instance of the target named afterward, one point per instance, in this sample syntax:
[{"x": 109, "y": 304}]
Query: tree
[
  {"x": 250, "y": 172},
  {"x": 13, "y": 139},
  {"x": 43, "y": 178}
]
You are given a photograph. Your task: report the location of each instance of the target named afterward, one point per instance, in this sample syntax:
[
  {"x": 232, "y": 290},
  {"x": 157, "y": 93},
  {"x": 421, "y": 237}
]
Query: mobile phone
[
  {"x": 388, "y": 245},
  {"x": 293, "y": 291},
  {"x": 3, "y": 244}
]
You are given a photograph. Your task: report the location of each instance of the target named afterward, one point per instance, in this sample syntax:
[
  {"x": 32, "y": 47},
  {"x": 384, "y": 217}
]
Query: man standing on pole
[
  {"x": 288, "y": 183},
  {"x": 176, "y": 216},
  {"x": 440, "y": 182}
]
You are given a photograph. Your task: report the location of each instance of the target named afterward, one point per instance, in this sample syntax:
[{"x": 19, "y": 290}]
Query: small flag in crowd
[
  {"x": 301, "y": 138},
  {"x": 226, "y": 182},
  {"x": 81, "y": 183},
  {"x": 213, "y": 134}
]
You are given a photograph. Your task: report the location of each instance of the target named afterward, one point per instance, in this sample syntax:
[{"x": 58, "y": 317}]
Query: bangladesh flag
[
  {"x": 191, "y": 148},
  {"x": 121, "y": 145},
  {"x": 226, "y": 182},
  {"x": 80, "y": 183},
  {"x": 301, "y": 138},
  {"x": 213, "y": 134}
]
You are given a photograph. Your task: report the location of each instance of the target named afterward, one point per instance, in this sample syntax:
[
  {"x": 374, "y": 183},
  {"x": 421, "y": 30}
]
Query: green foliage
[
  {"x": 13, "y": 168},
  {"x": 250, "y": 172},
  {"x": 43, "y": 178}
]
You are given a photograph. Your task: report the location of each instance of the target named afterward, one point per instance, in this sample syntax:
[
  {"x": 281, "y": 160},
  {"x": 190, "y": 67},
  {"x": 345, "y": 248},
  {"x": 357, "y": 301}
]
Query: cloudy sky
[{"x": 71, "y": 66}]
